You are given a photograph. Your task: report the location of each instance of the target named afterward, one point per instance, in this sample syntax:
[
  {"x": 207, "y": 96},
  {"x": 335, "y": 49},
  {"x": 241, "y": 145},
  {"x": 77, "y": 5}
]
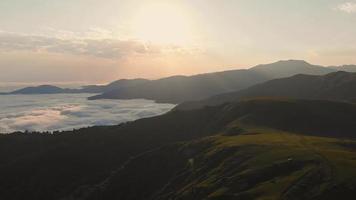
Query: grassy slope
[
  {"x": 85, "y": 163},
  {"x": 258, "y": 164}
]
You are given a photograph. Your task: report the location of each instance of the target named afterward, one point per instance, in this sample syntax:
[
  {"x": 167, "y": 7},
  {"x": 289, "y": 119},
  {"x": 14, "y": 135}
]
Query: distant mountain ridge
[
  {"x": 178, "y": 89},
  {"x": 50, "y": 89},
  {"x": 113, "y": 85},
  {"x": 346, "y": 68},
  {"x": 43, "y": 89},
  {"x": 340, "y": 86},
  {"x": 288, "y": 68}
]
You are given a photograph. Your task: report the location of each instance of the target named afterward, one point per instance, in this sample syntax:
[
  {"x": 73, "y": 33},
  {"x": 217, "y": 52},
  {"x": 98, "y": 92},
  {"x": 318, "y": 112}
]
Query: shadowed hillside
[
  {"x": 181, "y": 88},
  {"x": 339, "y": 86},
  {"x": 258, "y": 164},
  {"x": 81, "y": 164}
]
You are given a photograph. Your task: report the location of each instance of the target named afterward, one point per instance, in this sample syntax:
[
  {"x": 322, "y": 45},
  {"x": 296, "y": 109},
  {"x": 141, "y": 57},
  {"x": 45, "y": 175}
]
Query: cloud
[
  {"x": 67, "y": 112},
  {"x": 96, "y": 42},
  {"x": 103, "y": 48},
  {"x": 32, "y": 120},
  {"x": 348, "y": 7}
]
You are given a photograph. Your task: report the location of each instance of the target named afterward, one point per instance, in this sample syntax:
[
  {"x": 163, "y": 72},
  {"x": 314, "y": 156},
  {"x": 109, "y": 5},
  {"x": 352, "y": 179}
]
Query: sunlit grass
[{"x": 275, "y": 163}]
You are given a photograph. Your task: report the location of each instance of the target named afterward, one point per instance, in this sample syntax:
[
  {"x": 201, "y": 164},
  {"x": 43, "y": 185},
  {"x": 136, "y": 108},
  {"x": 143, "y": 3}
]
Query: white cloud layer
[
  {"x": 69, "y": 111},
  {"x": 348, "y": 7}
]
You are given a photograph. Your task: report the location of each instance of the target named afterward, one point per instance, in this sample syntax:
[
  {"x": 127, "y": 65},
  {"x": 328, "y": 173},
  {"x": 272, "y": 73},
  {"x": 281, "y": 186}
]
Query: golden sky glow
[
  {"x": 163, "y": 23},
  {"x": 96, "y": 41}
]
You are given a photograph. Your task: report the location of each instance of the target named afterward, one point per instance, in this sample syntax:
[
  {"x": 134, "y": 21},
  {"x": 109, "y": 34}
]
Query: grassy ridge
[{"x": 259, "y": 164}]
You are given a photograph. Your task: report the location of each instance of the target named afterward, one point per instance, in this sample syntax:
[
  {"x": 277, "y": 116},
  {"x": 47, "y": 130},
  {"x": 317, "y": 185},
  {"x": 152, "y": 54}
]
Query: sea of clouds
[{"x": 70, "y": 111}]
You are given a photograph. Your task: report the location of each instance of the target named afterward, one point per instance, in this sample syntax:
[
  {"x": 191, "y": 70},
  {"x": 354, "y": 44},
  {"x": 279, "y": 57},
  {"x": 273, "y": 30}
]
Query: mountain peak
[
  {"x": 291, "y": 61},
  {"x": 47, "y": 87},
  {"x": 284, "y": 64},
  {"x": 285, "y": 68}
]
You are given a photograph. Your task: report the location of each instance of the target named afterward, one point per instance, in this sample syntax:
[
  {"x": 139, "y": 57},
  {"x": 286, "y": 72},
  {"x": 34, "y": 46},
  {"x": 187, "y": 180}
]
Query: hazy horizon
[
  {"x": 49, "y": 41},
  {"x": 12, "y": 85}
]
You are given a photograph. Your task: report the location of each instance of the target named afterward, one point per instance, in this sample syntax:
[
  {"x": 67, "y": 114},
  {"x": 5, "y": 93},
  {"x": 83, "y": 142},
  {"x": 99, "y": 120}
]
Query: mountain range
[
  {"x": 178, "y": 89},
  {"x": 50, "y": 89},
  {"x": 339, "y": 86}
]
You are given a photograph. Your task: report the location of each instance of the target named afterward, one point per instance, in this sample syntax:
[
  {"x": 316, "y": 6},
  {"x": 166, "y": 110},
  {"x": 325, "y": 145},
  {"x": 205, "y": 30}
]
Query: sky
[{"x": 96, "y": 41}]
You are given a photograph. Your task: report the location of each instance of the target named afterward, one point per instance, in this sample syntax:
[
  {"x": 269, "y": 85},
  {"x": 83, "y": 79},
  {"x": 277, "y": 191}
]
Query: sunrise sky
[{"x": 102, "y": 40}]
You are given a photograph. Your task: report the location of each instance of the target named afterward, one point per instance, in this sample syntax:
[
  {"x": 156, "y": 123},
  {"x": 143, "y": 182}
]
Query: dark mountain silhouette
[
  {"x": 180, "y": 88},
  {"x": 334, "y": 86},
  {"x": 177, "y": 89},
  {"x": 346, "y": 68},
  {"x": 122, "y": 83},
  {"x": 288, "y": 68},
  {"x": 42, "y": 89},
  {"x": 50, "y": 89},
  {"x": 241, "y": 149}
]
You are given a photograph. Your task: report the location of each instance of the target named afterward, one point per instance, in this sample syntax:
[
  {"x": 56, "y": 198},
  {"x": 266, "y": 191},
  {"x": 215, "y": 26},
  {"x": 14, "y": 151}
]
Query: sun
[{"x": 163, "y": 23}]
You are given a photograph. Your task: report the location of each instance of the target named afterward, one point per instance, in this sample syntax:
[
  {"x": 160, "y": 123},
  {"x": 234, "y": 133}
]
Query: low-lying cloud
[{"x": 67, "y": 112}]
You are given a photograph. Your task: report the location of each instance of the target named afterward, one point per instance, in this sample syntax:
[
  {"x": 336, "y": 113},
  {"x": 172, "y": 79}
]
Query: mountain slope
[
  {"x": 50, "y": 89},
  {"x": 259, "y": 164},
  {"x": 180, "y": 88},
  {"x": 346, "y": 68},
  {"x": 74, "y": 164},
  {"x": 122, "y": 83},
  {"x": 246, "y": 161},
  {"x": 42, "y": 89},
  {"x": 334, "y": 86}
]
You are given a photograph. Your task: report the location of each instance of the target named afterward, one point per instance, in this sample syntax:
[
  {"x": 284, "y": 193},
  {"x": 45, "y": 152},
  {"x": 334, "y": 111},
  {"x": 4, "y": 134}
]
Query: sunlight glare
[{"x": 163, "y": 23}]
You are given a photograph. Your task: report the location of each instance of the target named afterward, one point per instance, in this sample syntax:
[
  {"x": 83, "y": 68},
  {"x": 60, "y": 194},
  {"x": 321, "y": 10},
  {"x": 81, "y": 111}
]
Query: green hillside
[
  {"x": 224, "y": 152},
  {"x": 257, "y": 164}
]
